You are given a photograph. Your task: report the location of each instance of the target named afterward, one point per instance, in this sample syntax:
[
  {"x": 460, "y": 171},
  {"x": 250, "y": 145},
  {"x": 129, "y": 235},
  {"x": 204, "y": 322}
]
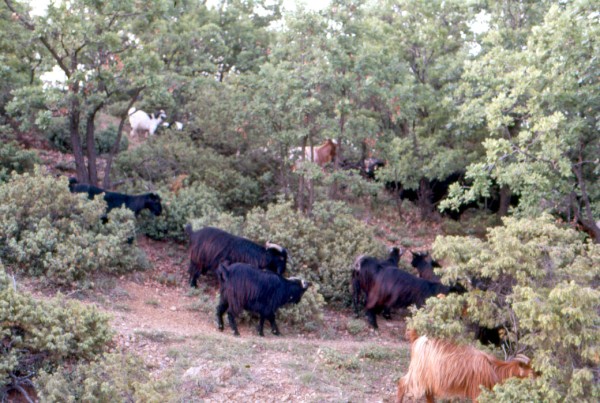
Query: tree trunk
[
  {"x": 301, "y": 181},
  {"x": 74, "y": 115},
  {"x": 587, "y": 218},
  {"x": 505, "y": 194},
  {"x": 106, "y": 182},
  {"x": 425, "y": 204},
  {"x": 91, "y": 148}
]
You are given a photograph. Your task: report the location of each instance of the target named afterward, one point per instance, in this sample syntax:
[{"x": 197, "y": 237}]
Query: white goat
[
  {"x": 141, "y": 122},
  {"x": 175, "y": 125}
]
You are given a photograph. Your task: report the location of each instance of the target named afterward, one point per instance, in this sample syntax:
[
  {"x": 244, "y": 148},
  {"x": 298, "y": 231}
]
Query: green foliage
[
  {"x": 57, "y": 132},
  {"x": 111, "y": 377},
  {"x": 105, "y": 139},
  {"x": 226, "y": 221},
  {"x": 355, "y": 326},
  {"x": 307, "y": 312},
  {"x": 193, "y": 202},
  {"x": 47, "y": 231},
  {"x": 542, "y": 284},
  {"x": 45, "y": 334},
  {"x": 529, "y": 96},
  {"x": 321, "y": 248},
  {"x": 162, "y": 158},
  {"x": 14, "y": 159}
]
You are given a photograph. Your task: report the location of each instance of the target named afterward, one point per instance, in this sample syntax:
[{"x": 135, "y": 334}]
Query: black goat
[
  {"x": 91, "y": 190},
  {"x": 244, "y": 287},
  {"x": 395, "y": 288},
  {"x": 210, "y": 246},
  {"x": 135, "y": 203},
  {"x": 424, "y": 263},
  {"x": 365, "y": 270}
]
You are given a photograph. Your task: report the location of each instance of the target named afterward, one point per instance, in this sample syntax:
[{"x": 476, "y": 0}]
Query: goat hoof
[{"x": 236, "y": 333}]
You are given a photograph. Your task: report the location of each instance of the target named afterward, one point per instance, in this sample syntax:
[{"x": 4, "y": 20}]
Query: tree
[
  {"x": 429, "y": 38},
  {"x": 93, "y": 45},
  {"x": 20, "y": 63},
  {"x": 539, "y": 105},
  {"x": 294, "y": 86}
]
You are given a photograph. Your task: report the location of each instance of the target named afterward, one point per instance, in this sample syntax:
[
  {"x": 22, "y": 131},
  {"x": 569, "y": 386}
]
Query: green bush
[
  {"x": 180, "y": 208},
  {"x": 308, "y": 311},
  {"x": 58, "y": 133},
  {"x": 47, "y": 231},
  {"x": 113, "y": 377},
  {"x": 162, "y": 158},
  {"x": 321, "y": 248},
  {"x": 45, "y": 334},
  {"x": 105, "y": 139},
  {"x": 14, "y": 159},
  {"x": 543, "y": 284}
]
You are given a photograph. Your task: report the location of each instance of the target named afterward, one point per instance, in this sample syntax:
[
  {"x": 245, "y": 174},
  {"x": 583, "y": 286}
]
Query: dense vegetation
[{"x": 504, "y": 93}]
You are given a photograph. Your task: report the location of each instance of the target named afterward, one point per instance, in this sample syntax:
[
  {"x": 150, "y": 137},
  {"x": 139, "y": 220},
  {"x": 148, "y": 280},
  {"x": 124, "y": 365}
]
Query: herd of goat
[{"x": 251, "y": 277}]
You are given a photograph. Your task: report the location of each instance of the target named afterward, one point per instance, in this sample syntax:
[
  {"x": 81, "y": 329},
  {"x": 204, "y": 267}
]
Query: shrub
[
  {"x": 309, "y": 309},
  {"x": 194, "y": 202},
  {"x": 58, "y": 133},
  {"x": 164, "y": 157},
  {"x": 542, "y": 282},
  {"x": 45, "y": 334},
  {"x": 113, "y": 377},
  {"x": 14, "y": 159},
  {"x": 322, "y": 248},
  {"x": 105, "y": 139},
  {"x": 47, "y": 231}
]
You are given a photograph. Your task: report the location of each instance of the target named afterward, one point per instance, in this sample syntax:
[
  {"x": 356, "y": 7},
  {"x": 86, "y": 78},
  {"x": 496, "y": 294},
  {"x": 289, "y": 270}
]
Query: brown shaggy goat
[
  {"x": 321, "y": 155},
  {"x": 439, "y": 368}
]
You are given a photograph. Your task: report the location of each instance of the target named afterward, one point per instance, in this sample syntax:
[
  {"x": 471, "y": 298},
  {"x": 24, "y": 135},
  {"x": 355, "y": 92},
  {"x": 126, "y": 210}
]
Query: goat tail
[
  {"x": 131, "y": 111},
  {"x": 411, "y": 335}
]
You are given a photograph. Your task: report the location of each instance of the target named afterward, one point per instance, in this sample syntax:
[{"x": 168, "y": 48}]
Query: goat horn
[
  {"x": 522, "y": 358},
  {"x": 270, "y": 245},
  {"x": 305, "y": 284}
]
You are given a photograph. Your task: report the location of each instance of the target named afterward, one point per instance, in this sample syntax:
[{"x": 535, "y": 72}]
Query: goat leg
[
  {"x": 274, "y": 328},
  {"x": 232, "y": 324},
  {"x": 371, "y": 318},
  {"x": 261, "y": 325},
  {"x": 221, "y": 308}
]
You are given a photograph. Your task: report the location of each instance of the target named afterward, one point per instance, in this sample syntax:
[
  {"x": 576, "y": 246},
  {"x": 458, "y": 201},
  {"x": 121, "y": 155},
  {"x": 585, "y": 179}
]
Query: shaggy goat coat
[
  {"x": 365, "y": 270},
  {"x": 211, "y": 246},
  {"x": 244, "y": 287},
  {"x": 445, "y": 370}
]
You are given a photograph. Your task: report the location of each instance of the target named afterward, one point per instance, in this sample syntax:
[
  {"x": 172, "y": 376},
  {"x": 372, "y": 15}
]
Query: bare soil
[{"x": 157, "y": 316}]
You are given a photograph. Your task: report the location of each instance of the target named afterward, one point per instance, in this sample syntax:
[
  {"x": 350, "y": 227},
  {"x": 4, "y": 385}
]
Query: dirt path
[{"x": 173, "y": 329}]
